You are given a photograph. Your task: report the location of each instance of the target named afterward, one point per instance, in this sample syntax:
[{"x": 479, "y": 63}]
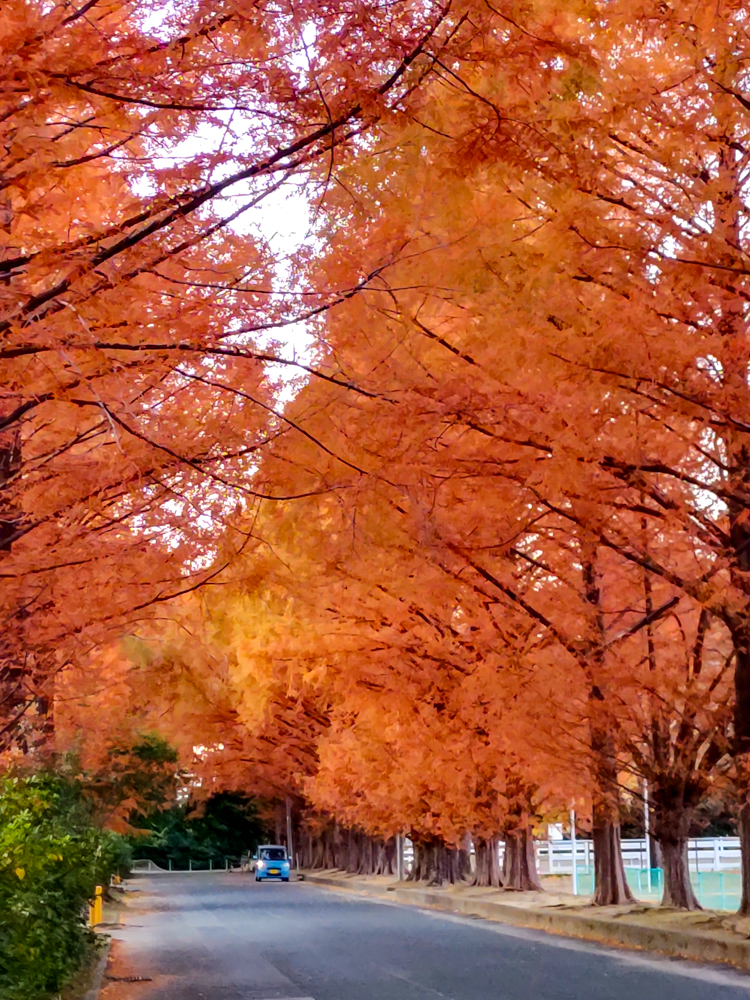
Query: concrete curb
[
  {"x": 97, "y": 975},
  {"x": 612, "y": 929}
]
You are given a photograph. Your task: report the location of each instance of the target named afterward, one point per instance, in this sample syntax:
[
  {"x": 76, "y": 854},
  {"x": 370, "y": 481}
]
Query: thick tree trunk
[
  {"x": 734, "y": 357},
  {"x": 416, "y": 868},
  {"x": 338, "y": 847},
  {"x": 434, "y": 863},
  {"x": 744, "y": 831},
  {"x": 519, "y": 863},
  {"x": 352, "y": 852},
  {"x": 678, "y": 889},
  {"x": 386, "y": 857},
  {"x": 487, "y": 871},
  {"x": 322, "y": 855},
  {"x": 305, "y": 851},
  {"x": 330, "y": 849},
  {"x": 741, "y": 642},
  {"x": 610, "y": 885},
  {"x": 674, "y": 802},
  {"x": 654, "y": 850},
  {"x": 316, "y": 853},
  {"x": 367, "y": 855}
]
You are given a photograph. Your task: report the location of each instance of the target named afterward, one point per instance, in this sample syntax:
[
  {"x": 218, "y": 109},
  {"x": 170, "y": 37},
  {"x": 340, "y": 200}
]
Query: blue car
[{"x": 270, "y": 861}]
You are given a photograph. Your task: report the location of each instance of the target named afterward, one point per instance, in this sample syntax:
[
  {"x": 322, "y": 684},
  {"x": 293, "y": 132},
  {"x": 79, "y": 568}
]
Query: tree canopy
[{"x": 487, "y": 560}]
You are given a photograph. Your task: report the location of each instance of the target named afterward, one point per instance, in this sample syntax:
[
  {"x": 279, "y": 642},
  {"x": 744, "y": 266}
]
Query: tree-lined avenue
[{"x": 222, "y": 937}]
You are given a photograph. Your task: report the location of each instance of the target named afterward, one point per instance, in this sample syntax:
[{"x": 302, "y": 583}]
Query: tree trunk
[
  {"x": 367, "y": 856},
  {"x": 338, "y": 854},
  {"x": 305, "y": 850},
  {"x": 741, "y": 643},
  {"x": 654, "y": 850},
  {"x": 487, "y": 871},
  {"x": 415, "y": 875},
  {"x": 386, "y": 863},
  {"x": 678, "y": 889},
  {"x": 744, "y": 831},
  {"x": 15, "y": 696},
  {"x": 322, "y": 853},
  {"x": 732, "y": 326},
  {"x": 434, "y": 863},
  {"x": 317, "y": 850},
  {"x": 674, "y": 803},
  {"x": 519, "y": 862},
  {"x": 352, "y": 852},
  {"x": 611, "y": 887}
]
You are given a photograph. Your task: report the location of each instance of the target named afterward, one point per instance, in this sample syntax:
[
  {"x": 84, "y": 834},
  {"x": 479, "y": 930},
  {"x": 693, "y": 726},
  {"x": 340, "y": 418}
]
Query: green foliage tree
[
  {"x": 52, "y": 856},
  {"x": 226, "y": 825}
]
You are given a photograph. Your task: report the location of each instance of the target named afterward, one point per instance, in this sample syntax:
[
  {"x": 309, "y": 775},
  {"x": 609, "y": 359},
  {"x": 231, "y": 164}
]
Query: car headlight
[{"x": 260, "y": 864}]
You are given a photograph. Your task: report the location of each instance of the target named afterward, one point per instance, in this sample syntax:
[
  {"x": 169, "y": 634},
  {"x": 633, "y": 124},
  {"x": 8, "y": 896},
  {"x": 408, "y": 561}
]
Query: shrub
[{"x": 51, "y": 859}]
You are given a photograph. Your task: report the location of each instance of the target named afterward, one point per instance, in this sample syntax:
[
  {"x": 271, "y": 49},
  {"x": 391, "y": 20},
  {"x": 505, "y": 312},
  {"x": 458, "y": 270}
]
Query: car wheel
[
  {"x": 257, "y": 879},
  {"x": 285, "y": 880}
]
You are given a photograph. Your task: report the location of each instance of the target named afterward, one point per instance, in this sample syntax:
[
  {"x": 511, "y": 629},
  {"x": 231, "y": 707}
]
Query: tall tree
[{"x": 136, "y": 313}]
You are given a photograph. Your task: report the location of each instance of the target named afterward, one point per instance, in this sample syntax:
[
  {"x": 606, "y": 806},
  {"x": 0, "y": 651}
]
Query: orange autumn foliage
[
  {"x": 514, "y": 574},
  {"x": 136, "y": 312}
]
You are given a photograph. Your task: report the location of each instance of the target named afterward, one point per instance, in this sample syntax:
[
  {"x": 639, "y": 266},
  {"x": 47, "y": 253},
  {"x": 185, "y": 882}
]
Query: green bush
[{"x": 51, "y": 858}]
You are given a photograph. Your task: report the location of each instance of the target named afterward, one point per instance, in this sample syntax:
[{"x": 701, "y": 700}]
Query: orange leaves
[
  {"x": 532, "y": 472},
  {"x": 135, "y": 303},
  {"x": 523, "y": 433}
]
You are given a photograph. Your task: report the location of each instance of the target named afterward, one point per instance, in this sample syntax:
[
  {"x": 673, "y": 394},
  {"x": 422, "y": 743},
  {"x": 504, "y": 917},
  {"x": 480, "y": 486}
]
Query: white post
[
  {"x": 573, "y": 850},
  {"x": 400, "y": 857}
]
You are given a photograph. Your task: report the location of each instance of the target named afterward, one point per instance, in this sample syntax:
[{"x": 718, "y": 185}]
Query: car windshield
[{"x": 274, "y": 854}]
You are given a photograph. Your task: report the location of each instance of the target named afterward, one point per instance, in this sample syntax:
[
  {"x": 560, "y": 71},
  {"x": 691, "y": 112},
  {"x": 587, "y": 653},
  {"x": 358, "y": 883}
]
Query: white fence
[
  {"x": 705, "y": 854},
  {"x": 555, "y": 857}
]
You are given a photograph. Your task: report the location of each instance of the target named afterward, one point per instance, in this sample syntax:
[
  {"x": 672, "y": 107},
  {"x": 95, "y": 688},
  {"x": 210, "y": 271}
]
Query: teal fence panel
[{"x": 715, "y": 890}]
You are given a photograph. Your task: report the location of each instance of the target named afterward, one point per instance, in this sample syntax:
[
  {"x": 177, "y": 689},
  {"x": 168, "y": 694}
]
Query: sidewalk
[{"x": 705, "y": 936}]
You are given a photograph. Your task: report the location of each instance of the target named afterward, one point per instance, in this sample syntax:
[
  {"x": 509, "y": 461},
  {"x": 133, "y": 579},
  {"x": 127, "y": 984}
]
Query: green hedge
[{"x": 51, "y": 858}]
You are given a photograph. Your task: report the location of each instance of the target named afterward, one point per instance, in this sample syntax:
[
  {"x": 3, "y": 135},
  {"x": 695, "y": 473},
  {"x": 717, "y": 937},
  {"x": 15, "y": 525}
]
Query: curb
[
  {"x": 98, "y": 974},
  {"x": 616, "y": 930}
]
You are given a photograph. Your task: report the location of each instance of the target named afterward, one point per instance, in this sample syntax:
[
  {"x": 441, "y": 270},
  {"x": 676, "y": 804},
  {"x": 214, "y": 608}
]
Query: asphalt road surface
[{"x": 224, "y": 937}]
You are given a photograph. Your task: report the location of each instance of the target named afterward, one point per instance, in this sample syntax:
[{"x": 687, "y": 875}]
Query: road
[{"x": 224, "y": 937}]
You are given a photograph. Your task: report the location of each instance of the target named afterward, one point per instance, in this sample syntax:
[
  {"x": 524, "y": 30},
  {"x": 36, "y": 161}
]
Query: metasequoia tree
[
  {"x": 529, "y": 426},
  {"x": 552, "y": 271},
  {"x": 632, "y": 196},
  {"x": 176, "y": 679},
  {"x": 137, "y": 297},
  {"x": 674, "y": 724},
  {"x": 423, "y": 682}
]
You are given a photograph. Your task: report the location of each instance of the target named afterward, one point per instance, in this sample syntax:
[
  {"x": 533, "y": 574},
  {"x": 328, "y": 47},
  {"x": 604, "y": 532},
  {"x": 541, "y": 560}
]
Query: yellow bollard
[{"x": 95, "y": 908}]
